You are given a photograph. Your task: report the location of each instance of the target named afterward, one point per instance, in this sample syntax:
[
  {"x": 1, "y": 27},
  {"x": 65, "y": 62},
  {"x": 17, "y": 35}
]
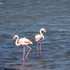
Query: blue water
[{"x": 25, "y": 18}]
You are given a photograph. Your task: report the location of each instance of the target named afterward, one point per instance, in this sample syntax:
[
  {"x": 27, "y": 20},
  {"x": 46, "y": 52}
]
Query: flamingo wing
[{"x": 24, "y": 41}]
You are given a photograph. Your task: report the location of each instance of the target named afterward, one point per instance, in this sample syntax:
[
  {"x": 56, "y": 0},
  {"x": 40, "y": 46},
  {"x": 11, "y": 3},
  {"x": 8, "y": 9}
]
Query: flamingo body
[
  {"x": 38, "y": 37},
  {"x": 24, "y": 41}
]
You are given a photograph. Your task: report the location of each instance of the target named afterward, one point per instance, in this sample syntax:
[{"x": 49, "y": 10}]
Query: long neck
[
  {"x": 17, "y": 41},
  {"x": 41, "y": 34}
]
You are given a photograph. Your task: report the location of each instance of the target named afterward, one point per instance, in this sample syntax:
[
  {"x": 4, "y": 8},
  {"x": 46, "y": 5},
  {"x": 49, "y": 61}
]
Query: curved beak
[
  {"x": 14, "y": 37},
  {"x": 45, "y": 31}
]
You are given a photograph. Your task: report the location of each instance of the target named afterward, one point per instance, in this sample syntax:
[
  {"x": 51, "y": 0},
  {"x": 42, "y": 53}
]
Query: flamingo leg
[
  {"x": 28, "y": 51},
  {"x": 40, "y": 49},
  {"x": 24, "y": 53},
  {"x": 37, "y": 49}
]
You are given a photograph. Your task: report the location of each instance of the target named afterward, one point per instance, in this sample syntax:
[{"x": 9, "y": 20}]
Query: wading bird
[
  {"x": 23, "y": 42},
  {"x": 40, "y": 37}
]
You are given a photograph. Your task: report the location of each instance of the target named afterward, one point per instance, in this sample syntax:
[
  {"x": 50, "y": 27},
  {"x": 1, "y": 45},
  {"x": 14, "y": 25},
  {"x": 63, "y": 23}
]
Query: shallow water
[{"x": 25, "y": 18}]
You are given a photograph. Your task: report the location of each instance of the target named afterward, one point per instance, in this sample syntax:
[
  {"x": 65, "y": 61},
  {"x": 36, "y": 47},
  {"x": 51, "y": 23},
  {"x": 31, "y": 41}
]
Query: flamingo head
[
  {"x": 43, "y": 29},
  {"x": 15, "y": 36}
]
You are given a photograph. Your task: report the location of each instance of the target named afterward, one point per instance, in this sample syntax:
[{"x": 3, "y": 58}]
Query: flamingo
[
  {"x": 40, "y": 37},
  {"x": 23, "y": 41}
]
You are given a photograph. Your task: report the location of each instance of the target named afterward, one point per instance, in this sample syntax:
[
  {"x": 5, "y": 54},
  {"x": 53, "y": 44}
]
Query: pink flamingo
[
  {"x": 23, "y": 41},
  {"x": 40, "y": 37}
]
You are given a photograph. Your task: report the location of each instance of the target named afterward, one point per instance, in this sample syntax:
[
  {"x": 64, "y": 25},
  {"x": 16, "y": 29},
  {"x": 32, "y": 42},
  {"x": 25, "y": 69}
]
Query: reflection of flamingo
[
  {"x": 40, "y": 37},
  {"x": 23, "y": 41}
]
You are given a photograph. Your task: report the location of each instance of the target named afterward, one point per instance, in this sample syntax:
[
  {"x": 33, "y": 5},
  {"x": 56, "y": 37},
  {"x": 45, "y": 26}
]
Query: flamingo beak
[
  {"x": 45, "y": 31},
  {"x": 14, "y": 37}
]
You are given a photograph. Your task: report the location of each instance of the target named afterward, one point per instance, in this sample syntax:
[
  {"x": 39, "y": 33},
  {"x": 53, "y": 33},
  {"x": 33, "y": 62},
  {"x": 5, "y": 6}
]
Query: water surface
[{"x": 25, "y": 18}]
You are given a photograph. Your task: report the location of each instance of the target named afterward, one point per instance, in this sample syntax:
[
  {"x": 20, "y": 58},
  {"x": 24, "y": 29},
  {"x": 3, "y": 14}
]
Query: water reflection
[{"x": 38, "y": 64}]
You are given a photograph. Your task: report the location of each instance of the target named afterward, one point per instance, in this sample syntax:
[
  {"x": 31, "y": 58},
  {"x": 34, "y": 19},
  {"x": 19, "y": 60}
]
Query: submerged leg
[
  {"x": 24, "y": 53},
  {"x": 28, "y": 51}
]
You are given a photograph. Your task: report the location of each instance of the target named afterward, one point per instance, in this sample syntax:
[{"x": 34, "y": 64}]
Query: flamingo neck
[
  {"x": 41, "y": 34},
  {"x": 17, "y": 41}
]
